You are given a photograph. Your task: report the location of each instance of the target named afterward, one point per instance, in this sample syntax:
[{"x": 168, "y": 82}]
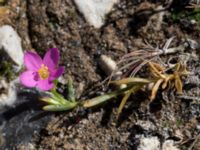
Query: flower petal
[
  {"x": 29, "y": 78},
  {"x": 32, "y": 61},
  {"x": 45, "y": 85},
  {"x": 51, "y": 58},
  {"x": 56, "y": 73}
]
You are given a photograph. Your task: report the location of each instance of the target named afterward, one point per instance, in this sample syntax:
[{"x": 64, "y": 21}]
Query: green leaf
[
  {"x": 103, "y": 98},
  {"x": 50, "y": 100},
  {"x": 60, "y": 107},
  {"x": 58, "y": 97},
  {"x": 98, "y": 100},
  {"x": 71, "y": 90}
]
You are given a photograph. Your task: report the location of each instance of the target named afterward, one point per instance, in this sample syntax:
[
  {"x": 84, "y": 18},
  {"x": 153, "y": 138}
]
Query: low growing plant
[{"x": 43, "y": 74}]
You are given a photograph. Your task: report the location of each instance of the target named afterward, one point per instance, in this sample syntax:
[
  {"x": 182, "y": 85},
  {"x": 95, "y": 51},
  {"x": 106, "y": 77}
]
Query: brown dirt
[{"x": 50, "y": 23}]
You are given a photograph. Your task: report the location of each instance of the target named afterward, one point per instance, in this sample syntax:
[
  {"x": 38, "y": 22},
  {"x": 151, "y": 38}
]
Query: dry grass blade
[
  {"x": 126, "y": 96},
  {"x": 4, "y": 11},
  {"x": 128, "y": 64},
  {"x": 166, "y": 81},
  {"x": 133, "y": 80},
  {"x": 135, "y": 60},
  {"x": 167, "y": 44},
  {"x": 156, "y": 69},
  {"x": 135, "y": 71},
  {"x": 157, "y": 66},
  {"x": 132, "y": 59},
  {"x": 155, "y": 89},
  {"x": 178, "y": 84},
  {"x": 182, "y": 70}
]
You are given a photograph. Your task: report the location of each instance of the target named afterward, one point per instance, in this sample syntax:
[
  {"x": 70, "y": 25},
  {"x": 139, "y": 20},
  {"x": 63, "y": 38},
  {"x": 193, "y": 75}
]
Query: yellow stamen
[{"x": 43, "y": 72}]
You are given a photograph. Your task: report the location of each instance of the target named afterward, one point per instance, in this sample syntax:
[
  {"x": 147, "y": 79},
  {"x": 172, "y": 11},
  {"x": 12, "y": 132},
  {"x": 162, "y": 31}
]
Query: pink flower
[{"x": 41, "y": 73}]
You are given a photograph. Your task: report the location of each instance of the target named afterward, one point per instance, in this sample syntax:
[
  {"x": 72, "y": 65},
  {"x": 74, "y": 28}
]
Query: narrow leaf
[
  {"x": 60, "y": 107},
  {"x": 58, "y": 97},
  {"x": 50, "y": 100},
  {"x": 178, "y": 85},
  {"x": 156, "y": 69},
  {"x": 103, "y": 98},
  {"x": 177, "y": 67},
  {"x": 71, "y": 90},
  {"x": 133, "y": 80},
  {"x": 98, "y": 100},
  {"x": 126, "y": 96},
  {"x": 166, "y": 80},
  {"x": 155, "y": 89}
]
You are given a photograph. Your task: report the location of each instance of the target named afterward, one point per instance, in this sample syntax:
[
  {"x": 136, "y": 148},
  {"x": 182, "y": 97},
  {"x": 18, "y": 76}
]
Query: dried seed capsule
[{"x": 109, "y": 66}]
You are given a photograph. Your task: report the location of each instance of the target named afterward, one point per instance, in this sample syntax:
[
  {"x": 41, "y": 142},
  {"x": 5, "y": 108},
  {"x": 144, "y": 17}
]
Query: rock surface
[
  {"x": 151, "y": 143},
  {"x": 94, "y": 11},
  {"x": 11, "y": 43},
  {"x": 8, "y": 92},
  {"x": 169, "y": 145}
]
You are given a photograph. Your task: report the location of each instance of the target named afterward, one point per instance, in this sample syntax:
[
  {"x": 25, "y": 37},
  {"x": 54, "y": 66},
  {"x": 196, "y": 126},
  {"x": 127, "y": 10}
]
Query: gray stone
[
  {"x": 94, "y": 11},
  {"x": 11, "y": 43}
]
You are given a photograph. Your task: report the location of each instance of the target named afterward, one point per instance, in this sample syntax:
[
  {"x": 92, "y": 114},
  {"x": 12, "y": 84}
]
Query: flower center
[{"x": 43, "y": 72}]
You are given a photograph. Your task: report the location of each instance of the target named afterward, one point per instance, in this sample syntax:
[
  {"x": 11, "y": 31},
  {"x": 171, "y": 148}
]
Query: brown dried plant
[
  {"x": 132, "y": 62},
  {"x": 160, "y": 78},
  {"x": 163, "y": 79},
  {"x": 4, "y": 12}
]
